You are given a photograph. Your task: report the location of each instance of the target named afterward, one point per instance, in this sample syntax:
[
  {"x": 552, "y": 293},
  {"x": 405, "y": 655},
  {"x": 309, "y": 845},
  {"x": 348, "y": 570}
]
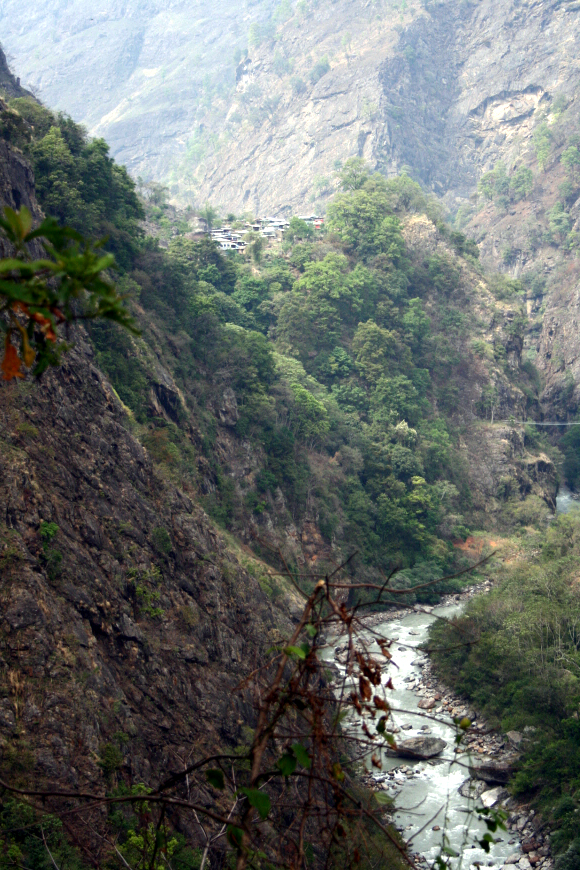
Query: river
[
  {"x": 428, "y": 791},
  {"x": 566, "y": 500}
]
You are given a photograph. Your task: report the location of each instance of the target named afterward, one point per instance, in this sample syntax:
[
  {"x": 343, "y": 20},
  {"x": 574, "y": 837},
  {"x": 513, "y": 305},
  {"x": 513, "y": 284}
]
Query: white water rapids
[{"x": 566, "y": 500}]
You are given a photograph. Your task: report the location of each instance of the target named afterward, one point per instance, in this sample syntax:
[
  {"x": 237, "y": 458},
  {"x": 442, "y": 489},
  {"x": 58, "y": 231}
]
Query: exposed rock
[
  {"x": 419, "y": 747},
  {"x": 8, "y": 82},
  {"x": 529, "y": 846},
  {"x": 79, "y": 638},
  {"x": 492, "y": 771},
  {"x": 228, "y": 410},
  {"x": 485, "y": 73},
  {"x": 472, "y": 788},
  {"x": 16, "y": 184},
  {"x": 515, "y": 738},
  {"x": 494, "y": 796}
]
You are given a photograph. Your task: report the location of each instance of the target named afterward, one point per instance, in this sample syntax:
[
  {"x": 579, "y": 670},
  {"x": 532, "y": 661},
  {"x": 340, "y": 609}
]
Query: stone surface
[
  {"x": 472, "y": 788},
  {"x": 492, "y": 771},
  {"x": 86, "y": 658},
  {"x": 419, "y": 747},
  {"x": 446, "y": 91},
  {"x": 494, "y": 796}
]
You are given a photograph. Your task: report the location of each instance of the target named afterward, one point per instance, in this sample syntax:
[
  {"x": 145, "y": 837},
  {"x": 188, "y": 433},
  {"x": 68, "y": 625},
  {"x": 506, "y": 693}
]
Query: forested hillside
[{"x": 326, "y": 395}]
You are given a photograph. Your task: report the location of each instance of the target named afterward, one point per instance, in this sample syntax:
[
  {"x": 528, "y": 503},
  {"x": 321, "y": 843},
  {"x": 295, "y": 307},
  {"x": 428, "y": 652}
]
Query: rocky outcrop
[
  {"x": 501, "y": 467},
  {"x": 126, "y": 620},
  {"x": 16, "y": 184},
  {"x": 10, "y": 84},
  {"x": 493, "y": 771},
  {"x": 122, "y": 608}
]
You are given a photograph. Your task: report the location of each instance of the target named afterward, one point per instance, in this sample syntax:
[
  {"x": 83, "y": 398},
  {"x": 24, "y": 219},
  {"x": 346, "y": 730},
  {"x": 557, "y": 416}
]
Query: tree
[
  {"x": 79, "y": 184},
  {"x": 155, "y": 193},
  {"x": 396, "y": 398},
  {"x": 490, "y": 400},
  {"x": 571, "y": 160},
  {"x": 376, "y": 349},
  {"x": 281, "y": 65},
  {"x": 255, "y": 244},
  {"x": 354, "y": 173},
  {"x": 542, "y": 143},
  {"x": 416, "y": 322},
  {"x": 559, "y": 221},
  {"x": 298, "y": 85},
  {"x": 255, "y": 36},
  {"x": 310, "y": 417},
  {"x": 298, "y": 229},
  {"x": 67, "y": 284},
  {"x": 209, "y": 215},
  {"x": 320, "y": 68},
  {"x": 363, "y": 220},
  {"x": 521, "y": 183}
]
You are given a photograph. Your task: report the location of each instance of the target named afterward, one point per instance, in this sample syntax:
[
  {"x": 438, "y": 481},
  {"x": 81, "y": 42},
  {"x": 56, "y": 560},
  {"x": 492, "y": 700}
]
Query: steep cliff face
[
  {"x": 468, "y": 83},
  {"x": 157, "y": 71},
  {"x": 446, "y": 92},
  {"x": 9, "y": 84},
  {"x": 500, "y": 462},
  {"x": 123, "y": 610}
]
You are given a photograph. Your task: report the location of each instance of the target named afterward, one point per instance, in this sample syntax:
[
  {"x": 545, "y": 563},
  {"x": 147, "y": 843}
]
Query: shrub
[
  {"x": 320, "y": 68},
  {"x": 162, "y": 540},
  {"x": 298, "y": 86}
]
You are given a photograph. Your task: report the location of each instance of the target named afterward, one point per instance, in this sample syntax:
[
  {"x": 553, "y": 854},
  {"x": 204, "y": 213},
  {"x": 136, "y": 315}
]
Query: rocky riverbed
[{"x": 432, "y": 794}]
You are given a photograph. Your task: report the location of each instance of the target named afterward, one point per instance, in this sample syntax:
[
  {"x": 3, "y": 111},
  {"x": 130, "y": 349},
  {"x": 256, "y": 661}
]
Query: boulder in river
[
  {"x": 492, "y": 771},
  {"x": 419, "y": 747},
  {"x": 494, "y": 796},
  {"x": 472, "y": 788},
  {"x": 427, "y": 704}
]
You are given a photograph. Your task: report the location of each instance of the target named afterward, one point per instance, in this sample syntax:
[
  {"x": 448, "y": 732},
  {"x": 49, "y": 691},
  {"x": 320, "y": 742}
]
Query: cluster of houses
[{"x": 269, "y": 228}]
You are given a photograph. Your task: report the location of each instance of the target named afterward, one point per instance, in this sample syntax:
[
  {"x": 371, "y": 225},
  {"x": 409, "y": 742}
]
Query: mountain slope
[
  {"x": 442, "y": 89},
  {"x": 333, "y": 393}
]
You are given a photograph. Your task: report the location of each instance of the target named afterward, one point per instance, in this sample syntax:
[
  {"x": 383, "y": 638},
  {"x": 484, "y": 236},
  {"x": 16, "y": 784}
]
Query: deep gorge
[{"x": 358, "y": 388}]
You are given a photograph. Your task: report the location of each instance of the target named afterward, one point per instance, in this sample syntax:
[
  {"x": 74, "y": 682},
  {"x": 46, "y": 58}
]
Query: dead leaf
[{"x": 11, "y": 364}]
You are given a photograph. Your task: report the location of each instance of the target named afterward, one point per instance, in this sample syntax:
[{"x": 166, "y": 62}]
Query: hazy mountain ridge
[
  {"x": 152, "y": 65},
  {"x": 442, "y": 90}
]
